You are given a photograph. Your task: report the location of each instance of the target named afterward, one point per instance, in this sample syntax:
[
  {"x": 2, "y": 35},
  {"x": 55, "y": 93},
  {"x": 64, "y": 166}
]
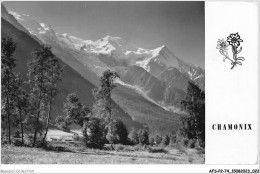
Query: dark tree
[
  {"x": 7, "y": 80},
  {"x": 193, "y": 125},
  {"x": 75, "y": 111},
  {"x": 151, "y": 140},
  {"x": 166, "y": 140},
  {"x": 63, "y": 123},
  {"x": 93, "y": 132},
  {"x": 103, "y": 105},
  {"x": 143, "y": 137},
  {"x": 54, "y": 77},
  {"x": 21, "y": 102},
  {"x": 158, "y": 139},
  {"x": 117, "y": 132},
  {"x": 133, "y": 136},
  {"x": 44, "y": 72}
]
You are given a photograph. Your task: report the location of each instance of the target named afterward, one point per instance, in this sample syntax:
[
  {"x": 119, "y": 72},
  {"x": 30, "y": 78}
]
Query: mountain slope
[
  {"x": 117, "y": 54},
  {"x": 72, "y": 81},
  {"x": 142, "y": 111},
  {"x": 11, "y": 19},
  {"x": 158, "y": 120},
  {"x": 152, "y": 81},
  {"x": 158, "y": 90}
]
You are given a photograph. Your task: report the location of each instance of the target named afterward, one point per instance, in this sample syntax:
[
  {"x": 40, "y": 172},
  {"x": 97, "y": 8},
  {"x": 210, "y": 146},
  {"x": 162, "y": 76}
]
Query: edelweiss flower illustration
[
  {"x": 222, "y": 45},
  {"x": 234, "y": 40}
]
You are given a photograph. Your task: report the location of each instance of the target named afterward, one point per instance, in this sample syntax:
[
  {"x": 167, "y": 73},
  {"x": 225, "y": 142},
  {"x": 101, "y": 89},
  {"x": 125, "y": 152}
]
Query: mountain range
[{"x": 151, "y": 85}]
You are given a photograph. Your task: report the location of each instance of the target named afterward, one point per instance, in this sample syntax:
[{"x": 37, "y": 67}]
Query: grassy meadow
[
  {"x": 121, "y": 155},
  {"x": 60, "y": 152}
]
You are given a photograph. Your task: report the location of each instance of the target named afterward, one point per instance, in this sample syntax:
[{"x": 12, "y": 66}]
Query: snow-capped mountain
[
  {"x": 42, "y": 31},
  {"x": 11, "y": 19},
  {"x": 158, "y": 73},
  {"x": 72, "y": 81}
]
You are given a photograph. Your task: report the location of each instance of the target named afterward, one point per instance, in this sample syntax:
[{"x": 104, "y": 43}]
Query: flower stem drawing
[{"x": 233, "y": 40}]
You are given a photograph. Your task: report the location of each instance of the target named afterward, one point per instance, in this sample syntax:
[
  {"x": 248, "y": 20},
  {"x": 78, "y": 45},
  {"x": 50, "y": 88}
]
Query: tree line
[{"x": 31, "y": 110}]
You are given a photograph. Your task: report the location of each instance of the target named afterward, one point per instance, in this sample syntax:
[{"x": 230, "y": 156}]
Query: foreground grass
[{"x": 25, "y": 155}]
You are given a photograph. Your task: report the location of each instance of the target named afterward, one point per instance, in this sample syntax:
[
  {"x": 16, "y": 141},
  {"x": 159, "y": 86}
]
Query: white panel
[{"x": 231, "y": 95}]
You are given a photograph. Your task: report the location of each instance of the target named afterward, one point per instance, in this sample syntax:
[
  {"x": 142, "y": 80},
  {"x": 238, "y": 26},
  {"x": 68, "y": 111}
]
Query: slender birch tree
[
  {"x": 7, "y": 80},
  {"x": 44, "y": 73}
]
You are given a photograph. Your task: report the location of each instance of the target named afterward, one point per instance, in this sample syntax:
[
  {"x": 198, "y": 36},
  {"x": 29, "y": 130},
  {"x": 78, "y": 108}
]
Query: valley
[
  {"x": 79, "y": 88},
  {"x": 84, "y": 61}
]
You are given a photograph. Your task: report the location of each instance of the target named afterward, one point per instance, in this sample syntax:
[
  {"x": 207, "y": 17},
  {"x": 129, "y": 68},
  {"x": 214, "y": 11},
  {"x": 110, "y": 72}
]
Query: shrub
[
  {"x": 180, "y": 147},
  {"x": 200, "y": 150},
  {"x": 151, "y": 141},
  {"x": 76, "y": 137},
  {"x": 55, "y": 147},
  {"x": 143, "y": 137},
  {"x": 184, "y": 142},
  {"x": 157, "y": 150},
  {"x": 178, "y": 136},
  {"x": 158, "y": 140},
  {"x": 63, "y": 123},
  {"x": 17, "y": 134},
  {"x": 17, "y": 142},
  {"x": 133, "y": 137},
  {"x": 4, "y": 140},
  {"x": 173, "y": 140},
  {"x": 166, "y": 140},
  {"x": 28, "y": 140},
  {"x": 120, "y": 148},
  {"x": 190, "y": 159},
  {"x": 200, "y": 144},
  {"x": 117, "y": 132},
  {"x": 139, "y": 147},
  {"x": 93, "y": 133},
  {"x": 191, "y": 143}
]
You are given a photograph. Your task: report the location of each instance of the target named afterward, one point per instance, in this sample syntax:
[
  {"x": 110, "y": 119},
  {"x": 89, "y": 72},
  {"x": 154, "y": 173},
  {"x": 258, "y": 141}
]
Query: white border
[{"x": 124, "y": 168}]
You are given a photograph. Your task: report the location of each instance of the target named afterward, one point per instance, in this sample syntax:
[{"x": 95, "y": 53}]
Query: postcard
[{"x": 129, "y": 86}]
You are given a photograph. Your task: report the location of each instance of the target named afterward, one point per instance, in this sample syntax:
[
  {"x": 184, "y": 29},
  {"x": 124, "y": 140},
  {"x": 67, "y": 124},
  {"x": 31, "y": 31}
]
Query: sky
[{"x": 178, "y": 25}]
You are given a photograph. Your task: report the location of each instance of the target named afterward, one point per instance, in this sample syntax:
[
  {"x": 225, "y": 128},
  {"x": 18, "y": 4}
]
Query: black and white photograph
[
  {"x": 102, "y": 82},
  {"x": 130, "y": 86}
]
